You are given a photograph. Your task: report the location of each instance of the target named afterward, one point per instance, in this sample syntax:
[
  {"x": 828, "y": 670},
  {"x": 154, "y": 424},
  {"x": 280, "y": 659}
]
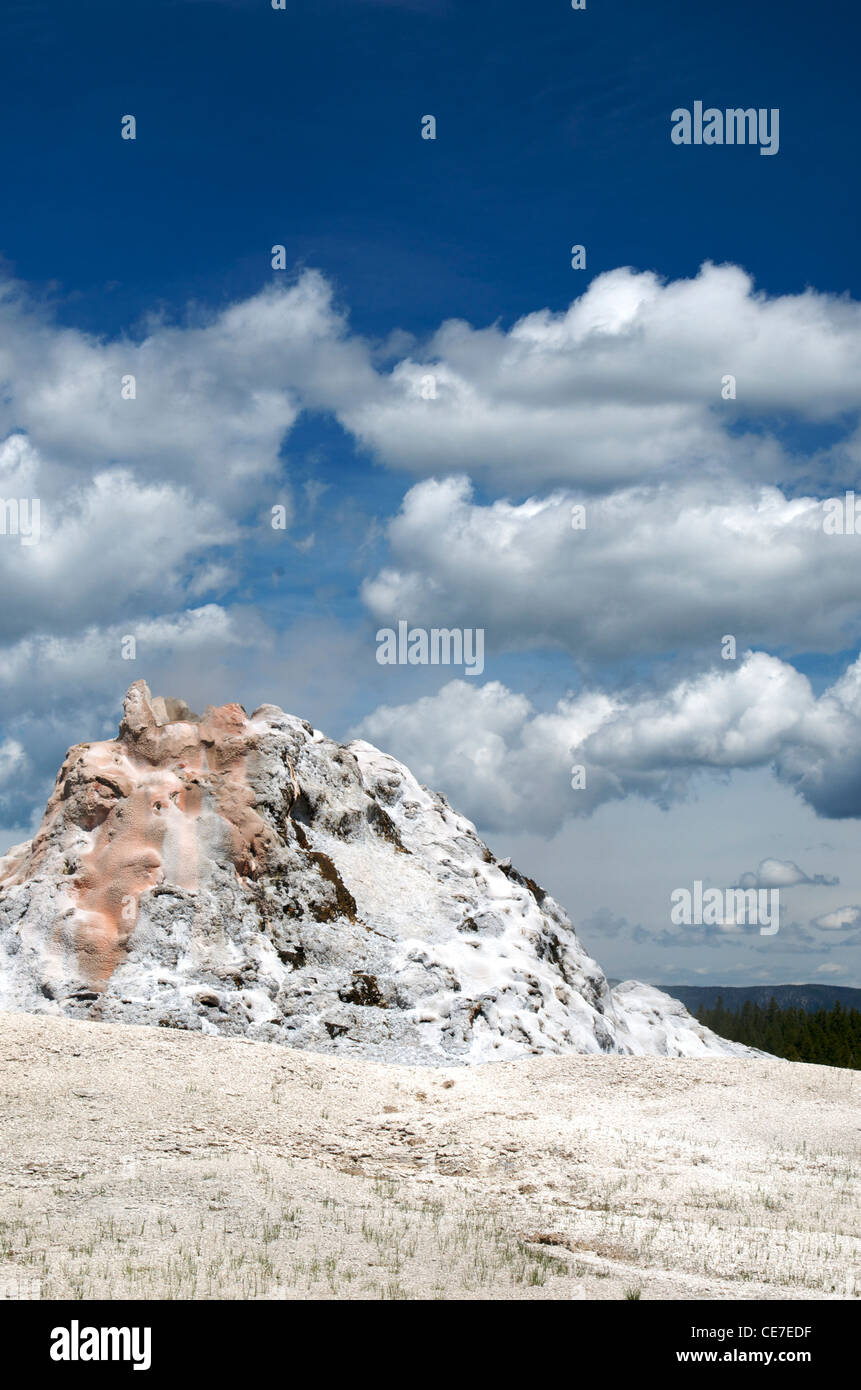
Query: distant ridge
[{"x": 807, "y": 997}]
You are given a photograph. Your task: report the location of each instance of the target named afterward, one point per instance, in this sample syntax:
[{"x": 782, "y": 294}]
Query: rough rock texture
[{"x": 249, "y": 876}]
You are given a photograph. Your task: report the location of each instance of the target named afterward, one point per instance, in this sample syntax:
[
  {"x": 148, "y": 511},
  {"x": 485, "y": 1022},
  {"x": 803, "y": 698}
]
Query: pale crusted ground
[{"x": 151, "y": 1163}]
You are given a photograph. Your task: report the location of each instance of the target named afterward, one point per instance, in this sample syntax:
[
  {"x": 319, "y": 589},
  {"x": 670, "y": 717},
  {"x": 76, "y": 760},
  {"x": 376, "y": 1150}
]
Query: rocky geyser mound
[{"x": 248, "y": 876}]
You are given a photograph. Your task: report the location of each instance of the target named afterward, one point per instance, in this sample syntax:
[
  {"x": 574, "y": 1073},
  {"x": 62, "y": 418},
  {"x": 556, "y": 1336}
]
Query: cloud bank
[{"x": 505, "y": 763}]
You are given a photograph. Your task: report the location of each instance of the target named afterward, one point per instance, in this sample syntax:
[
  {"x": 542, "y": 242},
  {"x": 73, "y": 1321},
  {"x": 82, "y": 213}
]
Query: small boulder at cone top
[{"x": 250, "y": 877}]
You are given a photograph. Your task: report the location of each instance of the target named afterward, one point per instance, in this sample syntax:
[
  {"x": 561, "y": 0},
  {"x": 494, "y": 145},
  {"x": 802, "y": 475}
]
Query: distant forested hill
[
  {"x": 807, "y": 997},
  {"x": 827, "y": 1037}
]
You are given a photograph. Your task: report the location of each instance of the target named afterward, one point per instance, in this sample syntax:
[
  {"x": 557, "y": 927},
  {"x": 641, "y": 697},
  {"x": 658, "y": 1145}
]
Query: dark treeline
[{"x": 830, "y": 1037}]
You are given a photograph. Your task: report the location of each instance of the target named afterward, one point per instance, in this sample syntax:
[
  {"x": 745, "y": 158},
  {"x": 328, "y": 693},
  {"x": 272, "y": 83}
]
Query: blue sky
[
  {"x": 301, "y": 126},
  {"x": 257, "y": 127}
]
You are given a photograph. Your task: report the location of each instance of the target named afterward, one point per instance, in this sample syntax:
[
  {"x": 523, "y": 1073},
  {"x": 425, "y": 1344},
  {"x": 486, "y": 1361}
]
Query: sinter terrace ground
[{"x": 151, "y": 1163}]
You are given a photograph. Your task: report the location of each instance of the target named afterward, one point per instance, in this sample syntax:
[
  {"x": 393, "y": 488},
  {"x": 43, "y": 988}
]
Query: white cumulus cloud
[
  {"x": 623, "y": 385},
  {"x": 654, "y": 569},
  {"x": 505, "y": 763}
]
